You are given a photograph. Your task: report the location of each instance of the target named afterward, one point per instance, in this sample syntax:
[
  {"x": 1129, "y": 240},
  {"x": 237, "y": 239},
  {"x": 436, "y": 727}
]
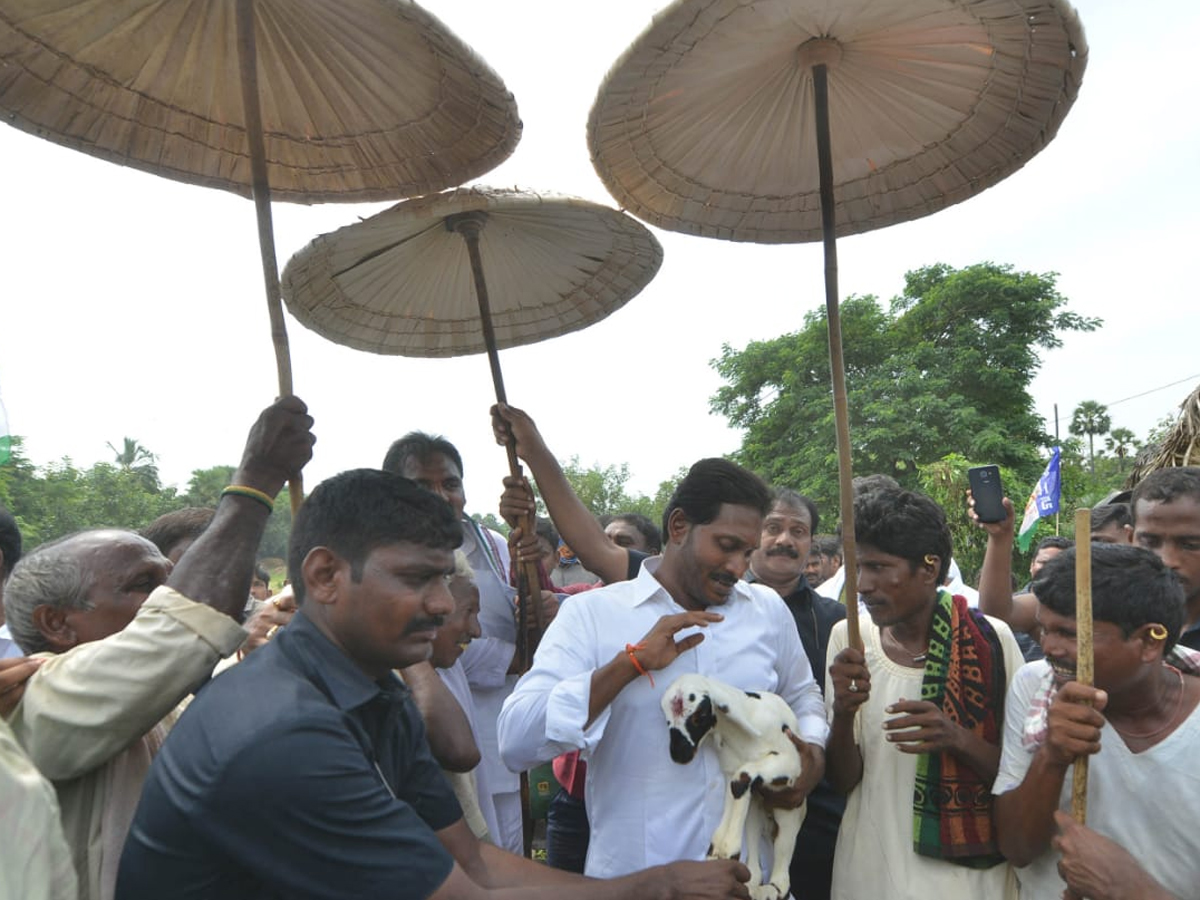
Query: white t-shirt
[
  {"x": 878, "y": 824},
  {"x": 1146, "y": 801}
]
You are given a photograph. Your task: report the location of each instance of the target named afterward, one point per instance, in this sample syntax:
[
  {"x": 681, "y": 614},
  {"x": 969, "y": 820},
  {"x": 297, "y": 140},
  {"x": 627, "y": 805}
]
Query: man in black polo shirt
[
  {"x": 305, "y": 772},
  {"x": 779, "y": 562}
]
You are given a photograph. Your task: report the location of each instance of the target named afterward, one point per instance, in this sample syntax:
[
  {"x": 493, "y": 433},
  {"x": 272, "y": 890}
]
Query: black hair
[
  {"x": 648, "y": 530},
  {"x": 864, "y": 484},
  {"x": 262, "y": 574},
  {"x": 1131, "y": 587},
  {"x": 711, "y": 483},
  {"x": 1054, "y": 541},
  {"x": 1165, "y": 485},
  {"x": 545, "y": 529},
  {"x": 827, "y": 545},
  {"x": 361, "y": 510},
  {"x": 183, "y": 524},
  {"x": 10, "y": 542},
  {"x": 790, "y": 499},
  {"x": 1111, "y": 514},
  {"x": 905, "y": 524},
  {"x": 420, "y": 446}
]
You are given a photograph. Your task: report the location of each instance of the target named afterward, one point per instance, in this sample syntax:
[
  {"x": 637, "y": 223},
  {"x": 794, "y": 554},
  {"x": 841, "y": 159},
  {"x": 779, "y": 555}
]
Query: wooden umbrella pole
[
  {"x": 261, "y": 188},
  {"x": 469, "y": 225},
  {"x": 836, "y": 360},
  {"x": 1084, "y": 654}
]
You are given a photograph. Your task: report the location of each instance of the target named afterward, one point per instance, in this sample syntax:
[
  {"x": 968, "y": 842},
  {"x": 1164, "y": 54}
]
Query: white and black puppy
[{"x": 747, "y": 730}]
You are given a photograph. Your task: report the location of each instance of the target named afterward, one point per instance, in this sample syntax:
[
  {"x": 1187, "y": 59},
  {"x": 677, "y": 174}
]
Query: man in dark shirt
[
  {"x": 304, "y": 771},
  {"x": 779, "y": 562}
]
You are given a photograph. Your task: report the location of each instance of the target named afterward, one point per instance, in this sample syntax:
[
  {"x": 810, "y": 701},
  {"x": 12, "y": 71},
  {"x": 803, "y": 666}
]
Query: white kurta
[
  {"x": 645, "y": 809},
  {"x": 1141, "y": 800},
  {"x": 455, "y": 680},
  {"x": 875, "y": 855},
  {"x": 486, "y": 663}
]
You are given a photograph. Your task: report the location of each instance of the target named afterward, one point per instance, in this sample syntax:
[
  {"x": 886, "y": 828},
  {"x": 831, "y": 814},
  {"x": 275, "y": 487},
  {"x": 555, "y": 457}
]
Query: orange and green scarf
[{"x": 964, "y": 675}]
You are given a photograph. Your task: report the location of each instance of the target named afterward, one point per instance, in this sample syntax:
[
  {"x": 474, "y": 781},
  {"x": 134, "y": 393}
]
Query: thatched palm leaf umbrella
[
  {"x": 708, "y": 124},
  {"x": 304, "y": 100},
  {"x": 470, "y": 271}
]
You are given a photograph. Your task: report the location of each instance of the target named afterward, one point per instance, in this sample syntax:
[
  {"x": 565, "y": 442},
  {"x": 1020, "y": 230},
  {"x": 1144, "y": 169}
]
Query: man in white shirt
[{"x": 607, "y": 658}]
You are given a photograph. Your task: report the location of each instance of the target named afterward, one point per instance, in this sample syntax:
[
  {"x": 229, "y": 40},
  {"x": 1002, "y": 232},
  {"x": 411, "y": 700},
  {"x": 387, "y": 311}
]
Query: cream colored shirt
[
  {"x": 34, "y": 861},
  {"x": 91, "y": 719},
  {"x": 878, "y": 824}
]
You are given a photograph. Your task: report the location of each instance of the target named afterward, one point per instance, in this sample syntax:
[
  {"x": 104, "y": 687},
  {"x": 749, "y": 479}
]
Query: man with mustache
[
  {"x": 780, "y": 562},
  {"x": 304, "y": 771},
  {"x": 605, "y": 660}
]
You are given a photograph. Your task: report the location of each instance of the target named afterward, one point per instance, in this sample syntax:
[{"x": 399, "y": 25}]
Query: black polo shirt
[{"x": 292, "y": 774}]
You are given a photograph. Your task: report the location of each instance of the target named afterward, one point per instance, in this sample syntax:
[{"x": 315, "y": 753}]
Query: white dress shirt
[{"x": 644, "y": 808}]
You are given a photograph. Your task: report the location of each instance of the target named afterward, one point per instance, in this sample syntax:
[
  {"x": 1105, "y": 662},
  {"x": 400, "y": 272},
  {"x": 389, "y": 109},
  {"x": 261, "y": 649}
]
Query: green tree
[
  {"x": 279, "y": 526},
  {"x": 946, "y": 368},
  {"x": 1121, "y": 443},
  {"x": 600, "y": 488},
  {"x": 205, "y": 486},
  {"x": 1090, "y": 418},
  {"x": 134, "y": 458}
]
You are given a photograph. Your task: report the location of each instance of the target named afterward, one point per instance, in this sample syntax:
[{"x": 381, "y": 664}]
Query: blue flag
[{"x": 1043, "y": 501}]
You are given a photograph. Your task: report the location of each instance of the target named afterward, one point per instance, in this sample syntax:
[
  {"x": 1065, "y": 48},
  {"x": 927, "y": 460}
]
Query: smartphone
[{"x": 988, "y": 493}]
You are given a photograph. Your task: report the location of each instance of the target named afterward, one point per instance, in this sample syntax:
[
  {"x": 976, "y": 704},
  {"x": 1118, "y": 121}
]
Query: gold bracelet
[{"x": 241, "y": 490}]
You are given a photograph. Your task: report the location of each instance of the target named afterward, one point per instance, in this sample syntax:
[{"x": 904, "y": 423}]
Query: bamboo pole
[
  {"x": 261, "y": 189},
  {"x": 1084, "y": 658},
  {"x": 837, "y": 362},
  {"x": 469, "y": 225}
]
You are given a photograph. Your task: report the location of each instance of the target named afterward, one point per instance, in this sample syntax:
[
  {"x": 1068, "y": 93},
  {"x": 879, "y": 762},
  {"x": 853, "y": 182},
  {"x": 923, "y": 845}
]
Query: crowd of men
[{"x": 168, "y": 728}]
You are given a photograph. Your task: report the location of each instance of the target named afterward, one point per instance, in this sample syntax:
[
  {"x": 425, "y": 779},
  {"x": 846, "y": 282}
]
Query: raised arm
[
  {"x": 218, "y": 568},
  {"x": 574, "y": 521},
  {"x": 995, "y": 578}
]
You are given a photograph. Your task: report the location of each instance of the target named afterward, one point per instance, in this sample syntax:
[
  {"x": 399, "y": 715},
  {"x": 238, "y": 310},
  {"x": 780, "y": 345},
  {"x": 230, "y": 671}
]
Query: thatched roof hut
[{"x": 1180, "y": 446}]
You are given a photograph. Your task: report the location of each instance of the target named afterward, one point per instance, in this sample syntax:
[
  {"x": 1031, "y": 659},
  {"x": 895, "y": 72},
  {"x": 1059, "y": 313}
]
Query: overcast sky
[{"x": 134, "y": 305}]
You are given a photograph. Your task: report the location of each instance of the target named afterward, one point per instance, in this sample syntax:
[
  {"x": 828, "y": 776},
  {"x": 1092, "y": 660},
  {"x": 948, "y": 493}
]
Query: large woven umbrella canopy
[
  {"x": 360, "y": 99},
  {"x": 472, "y": 270},
  {"x": 705, "y": 125},
  {"x": 780, "y": 121},
  {"x": 403, "y": 282}
]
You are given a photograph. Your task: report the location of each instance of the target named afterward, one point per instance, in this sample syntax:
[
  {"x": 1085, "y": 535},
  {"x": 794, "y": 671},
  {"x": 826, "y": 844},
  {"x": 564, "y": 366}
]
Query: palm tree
[
  {"x": 138, "y": 460},
  {"x": 1121, "y": 442},
  {"x": 1090, "y": 418}
]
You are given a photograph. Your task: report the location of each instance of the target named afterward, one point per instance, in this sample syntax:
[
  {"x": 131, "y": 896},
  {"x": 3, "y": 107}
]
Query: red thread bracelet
[{"x": 630, "y": 649}]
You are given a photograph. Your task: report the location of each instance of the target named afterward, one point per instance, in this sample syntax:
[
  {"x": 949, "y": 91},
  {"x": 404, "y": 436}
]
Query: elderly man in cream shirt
[{"x": 126, "y": 638}]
